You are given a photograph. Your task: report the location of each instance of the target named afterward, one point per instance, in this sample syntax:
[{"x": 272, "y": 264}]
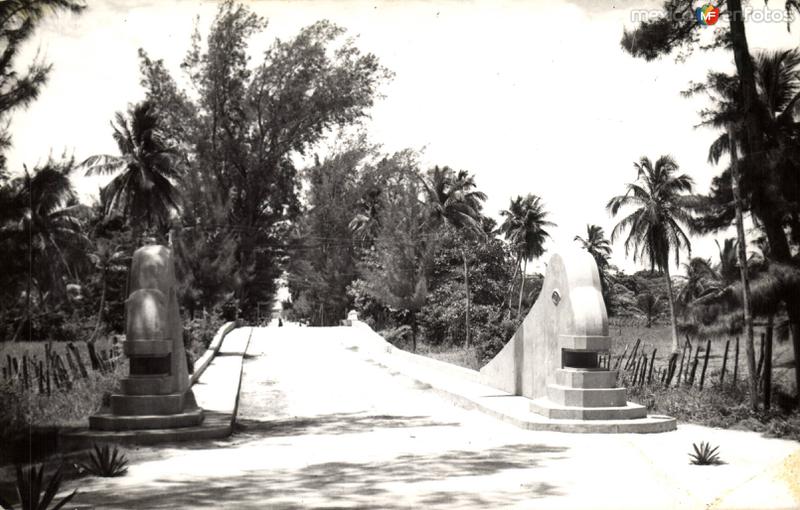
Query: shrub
[
  {"x": 199, "y": 332},
  {"x": 106, "y": 462},
  {"x": 704, "y": 455},
  {"x": 29, "y": 490}
]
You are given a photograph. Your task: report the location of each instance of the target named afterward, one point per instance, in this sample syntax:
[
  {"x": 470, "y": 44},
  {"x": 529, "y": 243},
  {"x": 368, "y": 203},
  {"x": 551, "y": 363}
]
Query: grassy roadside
[{"x": 717, "y": 405}]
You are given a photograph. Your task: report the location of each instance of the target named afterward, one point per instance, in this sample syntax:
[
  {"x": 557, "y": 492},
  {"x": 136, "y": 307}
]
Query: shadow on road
[
  {"x": 335, "y": 424},
  {"x": 401, "y": 482}
]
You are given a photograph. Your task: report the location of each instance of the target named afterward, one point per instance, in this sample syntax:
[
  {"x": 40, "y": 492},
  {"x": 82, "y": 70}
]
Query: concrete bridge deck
[{"x": 321, "y": 425}]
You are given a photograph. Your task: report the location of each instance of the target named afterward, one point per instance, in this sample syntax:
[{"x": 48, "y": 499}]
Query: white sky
[{"x": 531, "y": 97}]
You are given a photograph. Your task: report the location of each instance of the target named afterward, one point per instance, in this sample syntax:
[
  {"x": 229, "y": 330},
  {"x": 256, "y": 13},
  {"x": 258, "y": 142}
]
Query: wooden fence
[
  {"x": 55, "y": 371},
  {"x": 688, "y": 369}
]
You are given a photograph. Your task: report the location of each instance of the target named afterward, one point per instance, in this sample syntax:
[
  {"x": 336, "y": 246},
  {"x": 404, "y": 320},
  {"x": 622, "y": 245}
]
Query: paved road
[{"x": 323, "y": 426}]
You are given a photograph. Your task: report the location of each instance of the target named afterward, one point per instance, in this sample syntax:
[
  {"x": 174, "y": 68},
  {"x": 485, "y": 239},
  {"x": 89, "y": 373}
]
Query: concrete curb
[
  {"x": 467, "y": 388},
  {"x": 202, "y": 363}
]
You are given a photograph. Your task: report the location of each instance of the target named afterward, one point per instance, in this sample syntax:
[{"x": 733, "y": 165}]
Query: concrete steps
[
  {"x": 554, "y": 411},
  {"x": 586, "y": 397},
  {"x": 214, "y": 426},
  {"x": 105, "y": 420}
]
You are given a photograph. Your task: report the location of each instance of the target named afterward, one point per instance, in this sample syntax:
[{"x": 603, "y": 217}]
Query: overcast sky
[{"x": 531, "y": 97}]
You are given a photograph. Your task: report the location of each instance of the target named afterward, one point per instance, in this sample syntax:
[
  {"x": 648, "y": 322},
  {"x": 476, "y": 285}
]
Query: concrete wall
[
  {"x": 528, "y": 361},
  {"x": 203, "y": 361},
  {"x": 370, "y": 341}
]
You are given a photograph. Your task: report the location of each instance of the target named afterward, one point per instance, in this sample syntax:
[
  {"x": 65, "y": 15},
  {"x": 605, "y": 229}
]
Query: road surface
[{"x": 322, "y": 425}]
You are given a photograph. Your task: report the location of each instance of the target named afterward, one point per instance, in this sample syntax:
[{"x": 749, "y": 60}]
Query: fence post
[
  {"x": 39, "y": 375},
  {"x": 694, "y": 366},
  {"x": 652, "y": 361},
  {"x": 768, "y": 368},
  {"x": 93, "y": 356},
  {"x": 77, "y": 355},
  {"x": 25, "y": 380},
  {"x": 621, "y": 357},
  {"x": 724, "y": 363},
  {"x": 760, "y": 359},
  {"x": 705, "y": 364},
  {"x": 680, "y": 368},
  {"x": 72, "y": 368},
  {"x": 736, "y": 363},
  {"x": 633, "y": 354}
]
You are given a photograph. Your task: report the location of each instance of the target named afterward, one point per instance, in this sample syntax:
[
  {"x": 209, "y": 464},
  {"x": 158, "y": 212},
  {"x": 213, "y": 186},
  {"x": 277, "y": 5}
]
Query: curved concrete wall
[{"x": 570, "y": 303}]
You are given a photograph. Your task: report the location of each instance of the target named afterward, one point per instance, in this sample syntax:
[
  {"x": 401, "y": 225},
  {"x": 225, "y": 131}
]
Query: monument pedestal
[
  {"x": 156, "y": 394},
  {"x": 553, "y": 357}
]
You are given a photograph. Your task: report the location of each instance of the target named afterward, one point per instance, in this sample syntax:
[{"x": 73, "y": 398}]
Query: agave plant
[
  {"x": 704, "y": 455},
  {"x": 29, "y": 490},
  {"x": 106, "y": 462}
]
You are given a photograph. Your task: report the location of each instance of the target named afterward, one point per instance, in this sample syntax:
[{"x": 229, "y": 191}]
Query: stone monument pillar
[
  {"x": 553, "y": 357},
  {"x": 156, "y": 394}
]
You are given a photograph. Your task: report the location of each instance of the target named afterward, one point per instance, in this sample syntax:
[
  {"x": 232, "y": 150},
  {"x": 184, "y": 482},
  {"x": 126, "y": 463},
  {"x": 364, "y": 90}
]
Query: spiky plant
[
  {"x": 705, "y": 455},
  {"x": 106, "y": 462},
  {"x": 29, "y": 490}
]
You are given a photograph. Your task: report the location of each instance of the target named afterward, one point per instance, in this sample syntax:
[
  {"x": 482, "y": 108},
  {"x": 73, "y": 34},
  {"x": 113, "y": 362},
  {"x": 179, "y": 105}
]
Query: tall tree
[
  {"x": 524, "y": 228},
  {"x": 324, "y": 248},
  {"x": 453, "y": 199},
  {"x": 676, "y": 29},
  {"x": 146, "y": 171},
  {"x": 397, "y": 271},
  {"x": 250, "y": 123},
  {"x": 764, "y": 182},
  {"x": 41, "y": 214},
  {"x": 656, "y": 227},
  {"x": 18, "y": 21}
]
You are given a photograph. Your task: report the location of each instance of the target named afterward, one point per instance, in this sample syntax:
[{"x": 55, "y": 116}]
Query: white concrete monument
[{"x": 156, "y": 394}]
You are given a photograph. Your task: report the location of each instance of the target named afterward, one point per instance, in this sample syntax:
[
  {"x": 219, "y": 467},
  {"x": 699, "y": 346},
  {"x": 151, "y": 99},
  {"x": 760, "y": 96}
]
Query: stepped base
[
  {"x": 147, "y": 385},
  {"x": 105, "y": 420},
  {"x": 552, "y": 410},
  {"x": 214, "y": 425},
  {"x": 582, "y": 397},
  {"x": 632, "y": 418},
  {"x": 586, "y": 378}
]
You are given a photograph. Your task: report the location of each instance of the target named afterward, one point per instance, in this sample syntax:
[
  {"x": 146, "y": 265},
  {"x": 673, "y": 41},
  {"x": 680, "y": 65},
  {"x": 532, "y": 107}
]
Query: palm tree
[
  {"x": 452, "y": 198},
  {"x": 143, "y": 188},
  {"x": 107, "y": 258},
  {"x": 649, "y": 306},
  {"x": 600, "y": 249},
  {"x": 43, "y": 214},
  {"x": 765, "y": 180},
  {"x": 524, "y": 228},
  {"x": 700, "y": 279},
  {"x": 656, "y": 226},
  {"x": 727, "y": 270}
]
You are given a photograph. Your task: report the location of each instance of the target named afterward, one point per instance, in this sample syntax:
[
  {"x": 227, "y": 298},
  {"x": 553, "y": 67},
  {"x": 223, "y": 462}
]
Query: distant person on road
[{"x": 280, "y": 322}]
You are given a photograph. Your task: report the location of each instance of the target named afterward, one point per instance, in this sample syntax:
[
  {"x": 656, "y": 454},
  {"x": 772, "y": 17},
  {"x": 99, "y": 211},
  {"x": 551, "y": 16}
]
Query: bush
[
  {"x": 33, "y": 494},
  {"x": 198, "y": 333},
  {"x": 705, "y": 455},
  {"x": 106, "y": 462}
]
